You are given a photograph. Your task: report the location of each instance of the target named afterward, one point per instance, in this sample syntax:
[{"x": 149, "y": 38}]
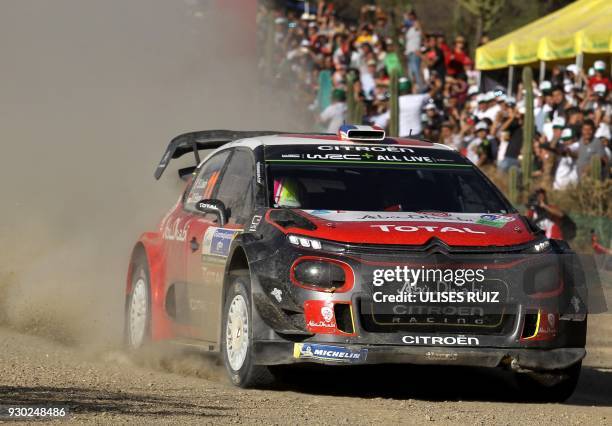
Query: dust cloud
[{"x": 91, "y": 91}]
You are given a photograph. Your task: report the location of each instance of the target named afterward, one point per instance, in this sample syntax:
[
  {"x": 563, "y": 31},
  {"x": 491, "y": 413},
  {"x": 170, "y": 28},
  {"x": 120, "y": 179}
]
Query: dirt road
[{"x": 110, "y": 386}]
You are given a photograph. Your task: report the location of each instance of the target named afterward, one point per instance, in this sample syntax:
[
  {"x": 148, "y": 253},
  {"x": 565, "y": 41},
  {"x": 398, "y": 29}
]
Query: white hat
[
  {"x": 489, "y": 96},
  {"x": 567, "y": 133},
  {"x": 481, "y": 98},
  {"x": 573, "y": 68},
  {"x": 429, "y": 105},
  {"x": 603, "y": 131},
  {"x": 510, "y": 100},
  {"x": 280, "y": 20},
  {"x": 472, "y": 90},
  {"x": 599, "y": 66},
  {"x": 599, "y": 88},
  {"x": 545, "y": 86},
  {"x": 558, "y": 122},
  {"x": 482, "y": 125}
]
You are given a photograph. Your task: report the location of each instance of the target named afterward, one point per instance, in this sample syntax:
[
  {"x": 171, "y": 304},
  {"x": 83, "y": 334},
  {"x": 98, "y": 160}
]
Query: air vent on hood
[{"x": 361, "y": 133}]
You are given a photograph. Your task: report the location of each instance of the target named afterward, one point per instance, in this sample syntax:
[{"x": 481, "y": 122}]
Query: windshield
[{"x": 371, "y": 188}]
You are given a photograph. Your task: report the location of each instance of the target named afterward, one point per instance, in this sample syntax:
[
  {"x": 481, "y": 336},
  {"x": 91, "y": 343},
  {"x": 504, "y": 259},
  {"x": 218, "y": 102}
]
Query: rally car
[{"x": 349, "y": 249}]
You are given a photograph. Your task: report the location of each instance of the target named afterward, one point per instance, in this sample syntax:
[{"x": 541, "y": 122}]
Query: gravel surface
[{"x": 163, "y": 386}]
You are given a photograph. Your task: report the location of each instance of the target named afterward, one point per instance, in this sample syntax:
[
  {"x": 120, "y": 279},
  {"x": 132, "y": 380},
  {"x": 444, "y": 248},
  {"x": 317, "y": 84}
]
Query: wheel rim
[
  {"x": 237, "y": 332},
  {"x": 138, "y": 313}
]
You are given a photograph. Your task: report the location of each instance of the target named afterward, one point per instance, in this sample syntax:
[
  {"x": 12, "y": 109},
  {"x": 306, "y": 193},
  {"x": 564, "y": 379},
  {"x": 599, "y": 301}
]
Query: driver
[{"x": 287, "y": 193}]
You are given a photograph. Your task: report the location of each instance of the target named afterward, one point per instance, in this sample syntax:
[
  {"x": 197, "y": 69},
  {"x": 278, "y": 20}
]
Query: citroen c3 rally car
[{"x": 349, "y": 249}]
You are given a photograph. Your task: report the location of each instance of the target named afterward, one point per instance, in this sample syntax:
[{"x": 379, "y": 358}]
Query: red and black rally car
[{"x": 353, "y": 248}]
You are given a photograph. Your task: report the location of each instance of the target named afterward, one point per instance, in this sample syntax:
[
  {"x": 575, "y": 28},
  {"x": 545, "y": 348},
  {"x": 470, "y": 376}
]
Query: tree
[{"x": 487, "y": 13}]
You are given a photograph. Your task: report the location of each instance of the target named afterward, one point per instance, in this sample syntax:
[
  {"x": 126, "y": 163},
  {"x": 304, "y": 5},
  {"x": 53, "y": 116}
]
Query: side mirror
[
  {"x": 186, "y": 173},
  {"x": 215, "y": 207}
]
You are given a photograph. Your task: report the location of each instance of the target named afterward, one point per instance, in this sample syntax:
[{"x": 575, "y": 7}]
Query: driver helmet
[{"x": 286, "y": 193}]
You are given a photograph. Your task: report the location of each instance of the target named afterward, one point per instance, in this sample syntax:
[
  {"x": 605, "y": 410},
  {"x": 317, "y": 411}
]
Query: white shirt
[
  {"x": 334, "y": 115},
  {"x": 368, "y": 84},
  {"x": 491, "y": 113},
  {"x": 382, "y": 120},
  {"x": 501, "y": 151},
  {"x": 567, "y": 172},
  {"x": 410, "y": 114},
  {"x": 413, "y": 40},
  {"x": 472, "y": 150}
]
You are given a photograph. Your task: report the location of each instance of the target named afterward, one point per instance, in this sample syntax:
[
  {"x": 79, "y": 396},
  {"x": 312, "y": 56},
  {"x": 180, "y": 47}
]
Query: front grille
[
  {"x": 462, "y": 318},
  {"x": 470, "y": 321}
]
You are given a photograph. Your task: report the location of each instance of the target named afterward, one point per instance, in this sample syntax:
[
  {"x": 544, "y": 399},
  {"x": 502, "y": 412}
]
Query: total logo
[{"x": 428, "y": 228}]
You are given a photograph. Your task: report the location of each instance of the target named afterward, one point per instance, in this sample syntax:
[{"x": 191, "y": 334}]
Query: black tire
[
  {"x": 554, "y": 386},
  {"x": 248, "y": 375},
  {"x": 140, "y": 278}
]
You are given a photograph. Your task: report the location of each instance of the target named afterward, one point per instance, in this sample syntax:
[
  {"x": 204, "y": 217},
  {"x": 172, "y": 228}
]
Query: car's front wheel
[
  {"x": 555, "y": 386},
  {"x": 138, "y": 313},
  {"x": 237, "y": 336}
]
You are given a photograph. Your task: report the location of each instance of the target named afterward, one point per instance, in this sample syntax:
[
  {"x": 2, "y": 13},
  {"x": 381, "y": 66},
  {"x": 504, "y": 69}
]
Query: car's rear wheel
[
  {"x": 138, "y": 313},
  {"x": 554, "y": 386},
  {"x": 237, "y": 336}
]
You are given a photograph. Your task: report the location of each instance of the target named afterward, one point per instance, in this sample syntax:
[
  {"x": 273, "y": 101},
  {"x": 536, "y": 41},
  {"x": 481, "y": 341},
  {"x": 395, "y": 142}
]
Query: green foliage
[
  {"x": 489, "y": 11},
  {"x": 596, "y": 167}
]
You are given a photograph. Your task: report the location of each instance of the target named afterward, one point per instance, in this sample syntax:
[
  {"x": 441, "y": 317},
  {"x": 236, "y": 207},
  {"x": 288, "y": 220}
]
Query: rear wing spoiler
[{"x": 198, "y": 141}]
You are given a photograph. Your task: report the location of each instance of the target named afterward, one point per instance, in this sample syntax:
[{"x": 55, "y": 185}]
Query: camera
[{"x": 534, "y": 205}]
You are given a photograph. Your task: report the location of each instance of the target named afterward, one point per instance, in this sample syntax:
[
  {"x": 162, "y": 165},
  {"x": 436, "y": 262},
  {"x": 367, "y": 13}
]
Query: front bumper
[
  {"x": 544, "y": 331},
  {"x": 275, "y": 353}
]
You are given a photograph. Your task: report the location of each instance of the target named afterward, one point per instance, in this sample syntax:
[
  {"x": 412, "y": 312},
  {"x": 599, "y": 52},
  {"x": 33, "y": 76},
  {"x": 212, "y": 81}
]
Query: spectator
[
  {"x": 459, "y": 58},
  {"x": 434, "y": 57},
  {"x": 413, "y": 49},
  {"x": 589, "y": 147},
  {"x": 479, "y": 148},
  {"x": 546, "y": 216},
  {"x": 566, "y": 173},
  {"x": 432, "y": 121},
  {"x": 440, "y": 92},
  {"x": 599, "y": 68},
  {"x": 448, "y": 137},
  {"x": 334, "y": 115}
]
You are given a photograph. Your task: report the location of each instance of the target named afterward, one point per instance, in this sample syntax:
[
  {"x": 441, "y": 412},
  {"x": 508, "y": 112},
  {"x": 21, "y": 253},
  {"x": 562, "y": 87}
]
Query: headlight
[
  {"x": 304, "y": 242},
  {"x": 539, "y": 247},
  {"x": 322, "y": 274}
]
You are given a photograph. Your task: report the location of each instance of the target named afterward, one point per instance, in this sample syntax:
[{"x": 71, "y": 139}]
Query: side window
[
  {"x": 204, "y": 183},
  {"x": 236, "y": 188}
]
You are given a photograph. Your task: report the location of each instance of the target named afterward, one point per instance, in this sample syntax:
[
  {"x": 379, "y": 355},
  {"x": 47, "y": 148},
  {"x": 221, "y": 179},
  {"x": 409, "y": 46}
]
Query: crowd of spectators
[{"x": 440, "y": 97}]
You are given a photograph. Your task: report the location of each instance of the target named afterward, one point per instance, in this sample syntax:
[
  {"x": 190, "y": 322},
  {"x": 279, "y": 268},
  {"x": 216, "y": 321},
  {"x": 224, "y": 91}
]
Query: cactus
[
  {"x": 596, "y": 168},
  {"x": 350, "y": 97},
  {"x": 359, "y": 112},
  {"x": 528, "y": 128},
  {"x": 394, "y": 104},
  {"x": 513, "y": 184}
]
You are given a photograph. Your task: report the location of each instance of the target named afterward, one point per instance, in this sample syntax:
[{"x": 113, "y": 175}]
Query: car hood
[{"x": 454, "y": 229}]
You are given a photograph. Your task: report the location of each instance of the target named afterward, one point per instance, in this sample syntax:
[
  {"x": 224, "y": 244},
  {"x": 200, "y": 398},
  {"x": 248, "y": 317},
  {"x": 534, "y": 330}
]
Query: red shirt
[{"x": 600, "y": 80}]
